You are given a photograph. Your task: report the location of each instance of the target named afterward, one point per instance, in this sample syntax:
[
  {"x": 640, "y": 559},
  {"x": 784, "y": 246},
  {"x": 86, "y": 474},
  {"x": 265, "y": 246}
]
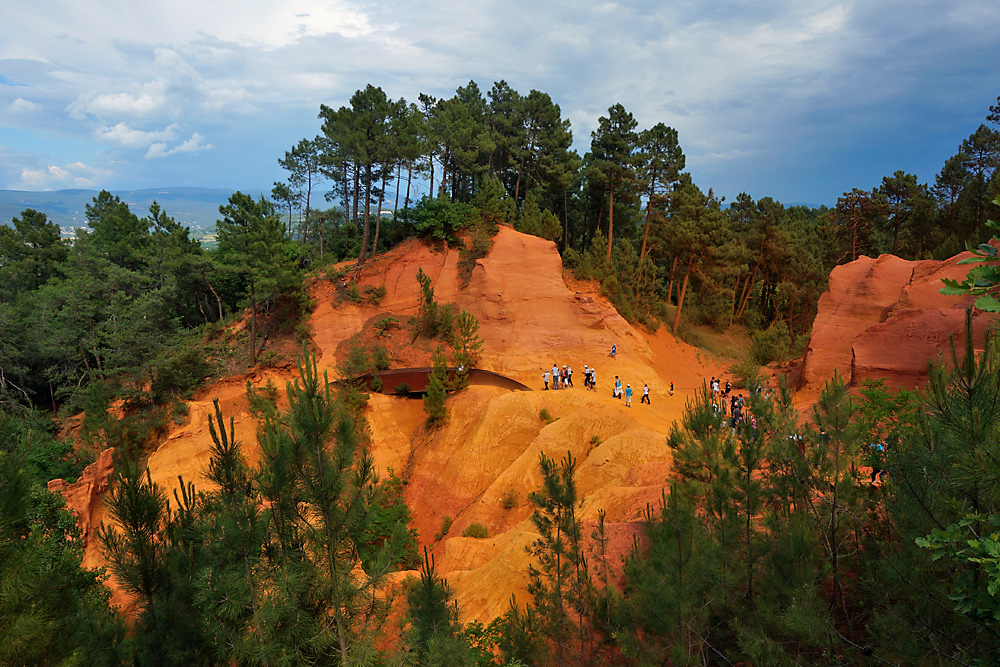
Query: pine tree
[
  {"x": 437, "y": 391},
  {"x": 561, "y": 588}
]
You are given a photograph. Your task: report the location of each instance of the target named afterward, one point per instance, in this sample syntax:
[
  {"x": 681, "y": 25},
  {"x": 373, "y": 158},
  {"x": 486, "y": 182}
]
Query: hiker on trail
[
  {"x": 875, "y": 453},
  {"x": 555, "y": 376},
  {"x": 569, "y": 376},
  {"x": 545, "y": 377},
  {"x": 614, "y": 351},
  {"x": 593, "y": 379},
  {"x": 671, "y": 388},
  {"x": 729, "y": 387},
  {"x": 628, "y": 396},
  {"x": 645, "y": 394},
  {"x": 618, "y": 388}
]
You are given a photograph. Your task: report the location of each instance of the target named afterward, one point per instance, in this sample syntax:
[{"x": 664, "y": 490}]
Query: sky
[{"x": 799, "y": 100}]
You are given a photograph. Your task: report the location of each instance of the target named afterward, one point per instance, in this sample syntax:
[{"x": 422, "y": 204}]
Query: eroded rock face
[
  {"x": 885, "y": 318},
  {"x": 83, "y": 498}
]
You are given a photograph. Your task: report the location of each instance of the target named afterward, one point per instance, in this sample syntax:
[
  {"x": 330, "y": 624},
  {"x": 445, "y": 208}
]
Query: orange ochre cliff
[{"x": 880, "y": 318}]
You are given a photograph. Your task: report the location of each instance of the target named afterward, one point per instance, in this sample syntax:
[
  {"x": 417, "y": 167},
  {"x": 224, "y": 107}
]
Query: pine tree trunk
[
  {"x": 649, "y": 210},
  {"x": 670, "y": 285},
  {"x": 409, "y": 179},
  {"x": 680, "y": 298},
  {"x": 378, "y": 216},
  {"x": 399, "y": 180},
  {"x": 611, "y": 220},
  {"x": 253, "y": 324},
  {"x": 368, "y": 206}
]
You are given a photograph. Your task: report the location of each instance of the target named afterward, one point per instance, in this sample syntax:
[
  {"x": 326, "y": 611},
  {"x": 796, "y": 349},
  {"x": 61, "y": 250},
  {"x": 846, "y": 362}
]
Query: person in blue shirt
[{"x": 628, "y": 396}]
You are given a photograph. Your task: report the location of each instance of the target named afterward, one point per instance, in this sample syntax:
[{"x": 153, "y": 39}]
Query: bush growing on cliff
[{"x": 437, "y": 392}]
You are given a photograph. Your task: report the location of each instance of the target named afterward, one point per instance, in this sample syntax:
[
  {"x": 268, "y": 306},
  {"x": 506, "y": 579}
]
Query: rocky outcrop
[
  {"x": 83, "y": 498},
  {"x": 885, "y": 318}
]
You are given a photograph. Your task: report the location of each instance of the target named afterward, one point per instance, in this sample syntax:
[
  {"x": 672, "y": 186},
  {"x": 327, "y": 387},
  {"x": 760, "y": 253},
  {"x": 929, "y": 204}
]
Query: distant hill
[{"x": 197, "y": 208}]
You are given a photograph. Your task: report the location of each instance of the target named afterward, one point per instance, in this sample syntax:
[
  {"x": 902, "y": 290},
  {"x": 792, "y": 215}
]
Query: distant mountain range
[{"x": 197, "y": 208}]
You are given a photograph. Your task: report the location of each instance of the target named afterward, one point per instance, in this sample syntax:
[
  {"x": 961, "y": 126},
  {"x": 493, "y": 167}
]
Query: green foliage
[
  {"x": 179, "y": 372},
  {"x": 52, "y": 611},
  {"x": 445, "y": 527},
  {"x": 384, "y": 325},
  {"x": 388, "y": 512},
  {"x": 432, "y": 614},
  {"x": 433, "y": 320},
  {"x": 479, "y": 245},
  {"x": 510, "y": 499},
  {"x": 982, "y": 279},
  {"x": 544, "y": 415},
  {"x": 437, "y": 392},
  {"x": 402, "y": 388},
  {"x": 560, "y": 585},
  {"x": 374, "y": 294},
  {"x": 539, "y": 222},
  {"x": 772, "y": 344},
  {"x": 353, "y": 292},
  {"x": 494, "y": 206},
  {"x": 476, "y": 530},
  {"x": 27, "y": 437},
  {"x": 380, "y": 358},
  {"x": 440, "y": 218}
]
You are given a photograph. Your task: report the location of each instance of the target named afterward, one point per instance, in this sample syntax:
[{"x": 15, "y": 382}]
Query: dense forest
[{"x": 766, "y": 550}]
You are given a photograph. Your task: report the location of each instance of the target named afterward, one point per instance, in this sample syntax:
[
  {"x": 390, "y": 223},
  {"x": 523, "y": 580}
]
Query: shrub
[
  {"x": 353, "y": 293},
  {"x": 375, "y": 294},
  {"x": 476, "y": 530},
  {"x": 772, "y": 344},
  {"x": 376, "y": 383},
  {"x": 441, "y": 218},
  {"x": 509, "y": 500},
  {"x": 539, "y": 221},
  {"x": 402, "y": 388},
  {"x": 544, "y": 415},
  {"x": 746, "y": 373},
  {"x": 383, "y": 325},
  {"x": 388, "y": 512},
  {"x": 445, "y": 527},
  {"x": 179, "y": 372},
  {"x": 437, "y": 393},
  {"x": 380, "y": 358}
]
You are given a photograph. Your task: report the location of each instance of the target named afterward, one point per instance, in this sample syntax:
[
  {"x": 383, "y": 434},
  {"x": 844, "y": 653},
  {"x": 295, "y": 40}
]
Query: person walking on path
[
  {"x": 618, "y": 388},
  {"x": 545, "y": 377},
  {"x": 569, "y": 376},
  {"x": 671, "y": 388},
  {"x": 645, "y": 394},
  {"x": 614, "y": 351},
  {"x": 593, "y": 379},
  {"x": 628, "y": 396}
]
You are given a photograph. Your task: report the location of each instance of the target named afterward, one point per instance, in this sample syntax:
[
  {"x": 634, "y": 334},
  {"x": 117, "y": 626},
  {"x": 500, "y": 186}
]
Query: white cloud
[
  {"x": 192, "y": 145},
  {"x": 21, "y": 105},
  {"x": 75, "y": 175},
  {"x": 129, "y": 138}
]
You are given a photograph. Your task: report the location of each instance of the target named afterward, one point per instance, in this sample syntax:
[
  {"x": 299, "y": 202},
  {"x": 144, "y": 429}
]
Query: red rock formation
[
  {"x": 885, "y": 318},
  {"x": 83, "y": 498}
]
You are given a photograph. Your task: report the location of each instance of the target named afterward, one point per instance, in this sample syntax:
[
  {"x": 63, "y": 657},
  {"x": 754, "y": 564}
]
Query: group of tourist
[{"x": 561, "y": 378}]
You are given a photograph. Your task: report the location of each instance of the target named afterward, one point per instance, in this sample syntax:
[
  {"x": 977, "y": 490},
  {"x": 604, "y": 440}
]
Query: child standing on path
[
  {"x": 645, "y": 394},
  {"x": 628, "y": 396}
]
